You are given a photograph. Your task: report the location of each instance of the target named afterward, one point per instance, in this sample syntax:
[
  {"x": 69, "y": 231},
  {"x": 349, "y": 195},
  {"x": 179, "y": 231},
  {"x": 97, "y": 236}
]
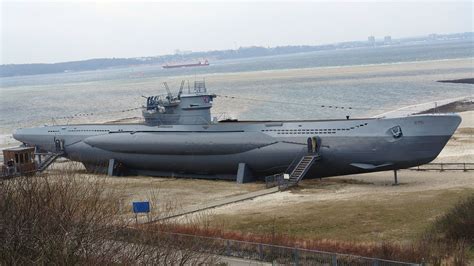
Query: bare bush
[
  {"x": 66, "y": 218},
  {"x": 458, "y": 223},
  {"x": 447, "y": 241}
]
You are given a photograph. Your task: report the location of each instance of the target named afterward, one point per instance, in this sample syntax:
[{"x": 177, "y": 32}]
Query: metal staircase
[
  {"x": 48, "y": 161},
  {"x": 294, "y": 174},
  {"x": 301, "y": 169}
]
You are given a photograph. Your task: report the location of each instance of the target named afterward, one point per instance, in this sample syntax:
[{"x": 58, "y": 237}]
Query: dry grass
[
  {"x": 67, "y": 219},
  {"x": 162, "y": 192},
  {"x": 401, "y": 217},
  {"x": 175, "y": 194},
  {"x": 362, "y": 215},
  {"x": 443, "y": 240}
]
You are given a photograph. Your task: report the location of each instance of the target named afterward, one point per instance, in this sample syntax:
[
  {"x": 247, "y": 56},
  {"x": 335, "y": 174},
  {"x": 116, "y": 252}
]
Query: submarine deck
[{"x": 232, "y": 122}]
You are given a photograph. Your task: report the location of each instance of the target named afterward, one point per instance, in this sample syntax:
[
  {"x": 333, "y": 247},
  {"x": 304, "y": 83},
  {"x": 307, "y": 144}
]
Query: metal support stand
[
  {"x": 244, "y": 174},
  {"x": 334, "y": 260},
  {"x": 395, "y": 178},
  {"x": 38, "y": 156},
  {"x": 297, "y": 257},
  {"x": 110, "y": 170}
]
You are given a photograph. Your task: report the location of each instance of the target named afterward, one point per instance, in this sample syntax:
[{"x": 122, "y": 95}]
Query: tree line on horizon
[
  {"x": 9, "y": 70},
  {"x": 103, "y": 63}
]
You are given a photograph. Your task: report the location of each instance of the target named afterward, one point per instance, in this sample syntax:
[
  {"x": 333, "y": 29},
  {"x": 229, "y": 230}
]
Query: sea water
[{"x": 359, "y": 82}]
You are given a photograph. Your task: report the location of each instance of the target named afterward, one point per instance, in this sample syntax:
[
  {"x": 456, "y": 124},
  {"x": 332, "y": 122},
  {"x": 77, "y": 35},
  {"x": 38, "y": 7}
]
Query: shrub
[{"x": 65, "y": 218}]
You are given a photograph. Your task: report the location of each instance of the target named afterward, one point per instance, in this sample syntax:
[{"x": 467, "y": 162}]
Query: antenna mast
[
  {"x": 170, "y": 96},
  {"x": 181, "y": 88}
]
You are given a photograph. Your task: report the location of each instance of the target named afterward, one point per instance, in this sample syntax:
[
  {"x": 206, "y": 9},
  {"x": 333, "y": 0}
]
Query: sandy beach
[{"x": 460, "y": 148}]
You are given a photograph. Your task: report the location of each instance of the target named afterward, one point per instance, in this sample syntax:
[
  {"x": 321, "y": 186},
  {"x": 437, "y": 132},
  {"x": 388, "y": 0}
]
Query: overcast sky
[{"x": 45, "y": 32}]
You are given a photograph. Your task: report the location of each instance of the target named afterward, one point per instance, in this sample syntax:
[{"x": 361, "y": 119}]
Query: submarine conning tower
[{"x": 191, "y": 108}]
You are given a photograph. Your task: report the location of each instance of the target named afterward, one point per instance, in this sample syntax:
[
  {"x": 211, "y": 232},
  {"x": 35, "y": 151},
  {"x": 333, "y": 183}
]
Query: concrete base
[
  {"x": 244, "y": 174},
  {"x": 110, "y": 169}
]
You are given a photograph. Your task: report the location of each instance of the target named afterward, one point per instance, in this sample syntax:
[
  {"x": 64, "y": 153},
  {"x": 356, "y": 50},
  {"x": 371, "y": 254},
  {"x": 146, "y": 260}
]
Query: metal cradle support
[
  {"x": 110, "y": 169},
  {"x": 395, "y": 178},
  {"x": 244, "y": 174}
]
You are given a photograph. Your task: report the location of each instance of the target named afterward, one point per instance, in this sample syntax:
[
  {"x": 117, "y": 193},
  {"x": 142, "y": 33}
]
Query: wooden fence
[{"x": 444, "y": 167}]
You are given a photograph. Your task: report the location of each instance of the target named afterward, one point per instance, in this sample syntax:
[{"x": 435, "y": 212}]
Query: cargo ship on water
[{"x": 198, "y": 64}]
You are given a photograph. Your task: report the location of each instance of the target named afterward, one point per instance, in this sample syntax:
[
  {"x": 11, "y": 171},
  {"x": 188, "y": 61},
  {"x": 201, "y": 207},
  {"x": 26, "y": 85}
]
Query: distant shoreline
[
  {"x": 464, "y": 81},
  {"x": 13, "y": 70}
]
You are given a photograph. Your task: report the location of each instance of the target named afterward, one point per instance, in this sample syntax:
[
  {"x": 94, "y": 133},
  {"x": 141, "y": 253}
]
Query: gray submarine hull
[{"x": 266, "y": 147}]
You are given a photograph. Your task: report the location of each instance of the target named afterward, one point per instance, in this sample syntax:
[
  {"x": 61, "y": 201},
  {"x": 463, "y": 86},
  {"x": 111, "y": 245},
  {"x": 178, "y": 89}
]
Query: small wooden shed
[{"x": 19, "y": 160}]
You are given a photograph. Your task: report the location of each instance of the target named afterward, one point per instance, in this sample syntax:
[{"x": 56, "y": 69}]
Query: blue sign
[{"x": 141, "y": 206}]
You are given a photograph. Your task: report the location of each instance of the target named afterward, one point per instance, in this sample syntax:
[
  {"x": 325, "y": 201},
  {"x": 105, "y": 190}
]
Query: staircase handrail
[
  {"x": 295, "y": 161},
  {"x": 49, "y": 160},
  {"x": 313, "y": 158}
]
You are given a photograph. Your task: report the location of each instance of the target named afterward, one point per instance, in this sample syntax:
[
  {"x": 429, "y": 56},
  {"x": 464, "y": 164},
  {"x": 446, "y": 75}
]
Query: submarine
[{"x": 179, "y": 138}]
